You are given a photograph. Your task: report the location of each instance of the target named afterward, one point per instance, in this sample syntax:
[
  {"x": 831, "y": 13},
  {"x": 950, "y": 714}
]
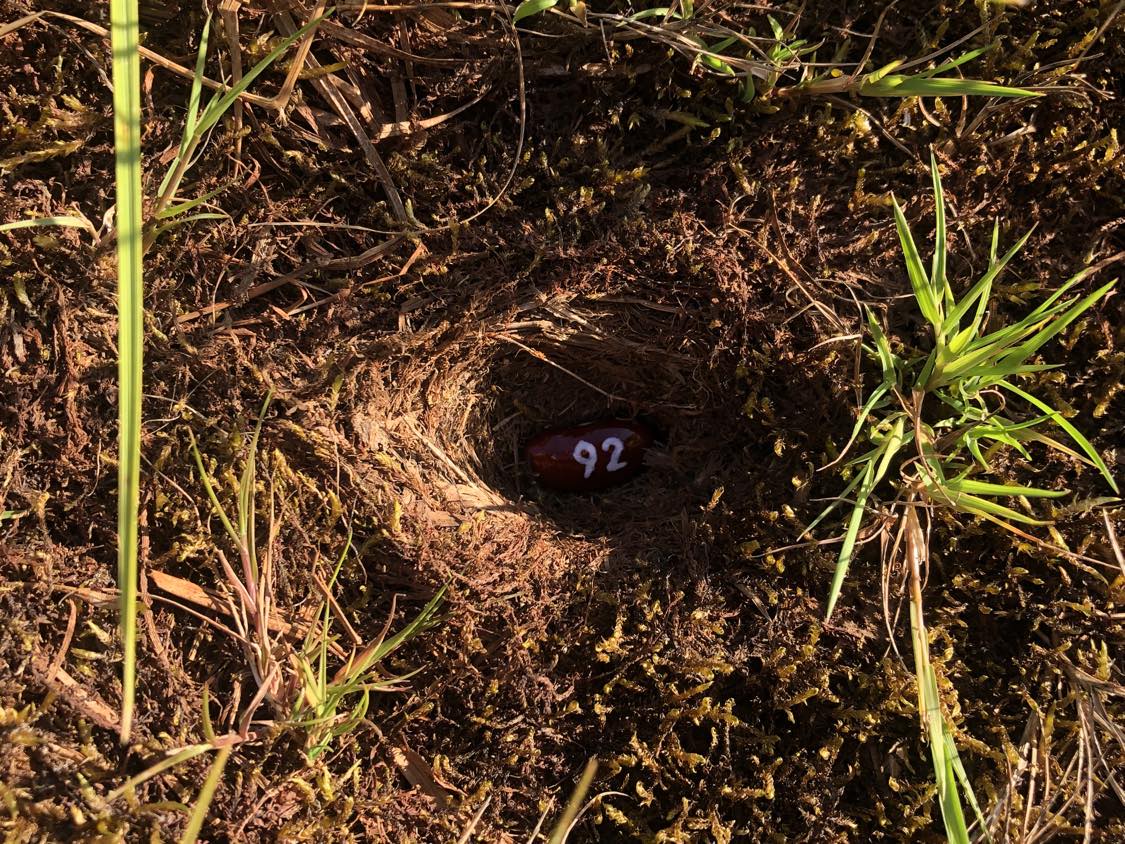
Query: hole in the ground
[
  {"x": 452, "y": 432},
  {"x": 621, "y": 360}
]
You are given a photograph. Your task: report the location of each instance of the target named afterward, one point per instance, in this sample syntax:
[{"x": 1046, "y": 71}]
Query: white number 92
[{"x": 586, "y": 455}]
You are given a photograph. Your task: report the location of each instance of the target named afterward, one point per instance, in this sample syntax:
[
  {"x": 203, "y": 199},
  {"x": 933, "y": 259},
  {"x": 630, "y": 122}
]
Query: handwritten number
[
  {"x": 615, "y": 447},
  {"x": 587, "y": 455}
]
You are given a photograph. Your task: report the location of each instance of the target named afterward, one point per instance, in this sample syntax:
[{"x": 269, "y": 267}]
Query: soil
[{"x": 707, "y": 278}]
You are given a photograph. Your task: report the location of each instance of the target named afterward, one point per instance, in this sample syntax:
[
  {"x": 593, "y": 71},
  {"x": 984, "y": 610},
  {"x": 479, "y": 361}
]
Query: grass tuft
[
  {"x": 320, "y": 688},
  {"x": 773, "y": 65},
  {"x": 960, "y": 384}
]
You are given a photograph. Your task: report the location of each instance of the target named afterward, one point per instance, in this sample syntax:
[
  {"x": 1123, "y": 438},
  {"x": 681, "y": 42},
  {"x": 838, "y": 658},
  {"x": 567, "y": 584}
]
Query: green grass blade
[
  {"x": 847, "y": 548},
  {"x": 196, "y": 96},
  {"x": 1007, "y": 426},
  {"x": 210, "y": 490},
  {"x": 966, "y": 786},
  {"x": 929, "y": 704},
  {"x": 863, "y": 458},
  {"x": 1046, "y": 304},
  {"x": 877, "y": 76},
  {"x": 1052, "y": 443},
  {"x": 220, "y": 103},
  {"x": 960, "y": 340},
  {"x": 1049, "y": 331},
  {"x": 657, "y": 12},
  {"x": 246, "y": 489},
  {"x": 529, "y": 8},
  {"x": 184, "y": 207},
  {"x": 872, "y": 474},
  {"x": 205, "y": 712},
  {"x": 973, "y": 445},
  {"x": 974, "y": 487},
  {"x": 1018, "y": 446},
  {"x": 358, "y": 713},
  {"x": 574, "y": 804},
  {"x": 65, "y": 221},
  {"x": 170, "y": 761},
  {"x": 982, "y": 506},
  {"x": 897, "y": 85},
  {"x": 1071, "y": 431},
  {"x": 342, "y": 558},
  {"x": 919, "y": 281},
  {"x": 942, "y": 749},
  {"x": 206, "y": 795},
  {"x": 882, "y": 349},
  {"x": 716, "y": 64},
  {"x": 420, "y": 622},
  {"x": 878, "y": 393},
  {"x": 719, "y": 46},
  {"x": 191, "y": 218},
  {"x": 125, "y": 41},
  {"x": 840, "y": 500},
  {"x": 313, "y": 690},
  {"x": 957, "y": 62},
  {"x": 952, "y": 814},
  {"x": 326, "y": 617},
  {"x": 980, "y": 291},
  {"x": 937, "y": 272},
  {"x": 989, "y": 375},
  {"x": 194, "y": 100}
]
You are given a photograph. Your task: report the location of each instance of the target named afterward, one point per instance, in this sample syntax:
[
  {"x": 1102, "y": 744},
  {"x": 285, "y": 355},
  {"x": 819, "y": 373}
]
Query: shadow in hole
[{"x": 715, "y": 455}]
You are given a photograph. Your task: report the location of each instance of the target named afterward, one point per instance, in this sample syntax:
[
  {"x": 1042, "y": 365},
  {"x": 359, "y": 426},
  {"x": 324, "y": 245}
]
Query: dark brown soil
[{"x": 706, "y": 279}]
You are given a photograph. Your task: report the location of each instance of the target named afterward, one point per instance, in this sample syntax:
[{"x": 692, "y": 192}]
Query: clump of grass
[
  {"x": 317, "y": 687},
  {"x": 969, "y": 383},
  {"x": 330, "y": 705},
  {"x": 772, "y": 65},
  {"x": 198, "y": 123},
  {"x": 967, "y": 373},
  {"x": 134, "y": 238},
  {"x": 301, "y": 685}
]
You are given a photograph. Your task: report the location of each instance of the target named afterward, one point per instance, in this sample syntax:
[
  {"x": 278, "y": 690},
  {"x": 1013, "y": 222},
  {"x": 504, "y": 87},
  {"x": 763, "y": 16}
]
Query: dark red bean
[{"x": 589, "y": 457}]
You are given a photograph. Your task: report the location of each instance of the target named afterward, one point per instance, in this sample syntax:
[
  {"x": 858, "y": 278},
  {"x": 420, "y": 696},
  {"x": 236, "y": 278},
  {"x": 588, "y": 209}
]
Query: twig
[
  {"x": 77, "y": 695},
  {"x": 228, "y": 11},
  {"x": 340, "y": 104},
  {"x": 471, "y": 826},
  {"x": 338, "y": 611},
  {"x": 1114, "y": 544},
  {"x": 57, "y": 662}
]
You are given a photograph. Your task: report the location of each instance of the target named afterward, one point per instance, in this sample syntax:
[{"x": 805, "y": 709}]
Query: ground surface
[{"x": 633, "y": 265}]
